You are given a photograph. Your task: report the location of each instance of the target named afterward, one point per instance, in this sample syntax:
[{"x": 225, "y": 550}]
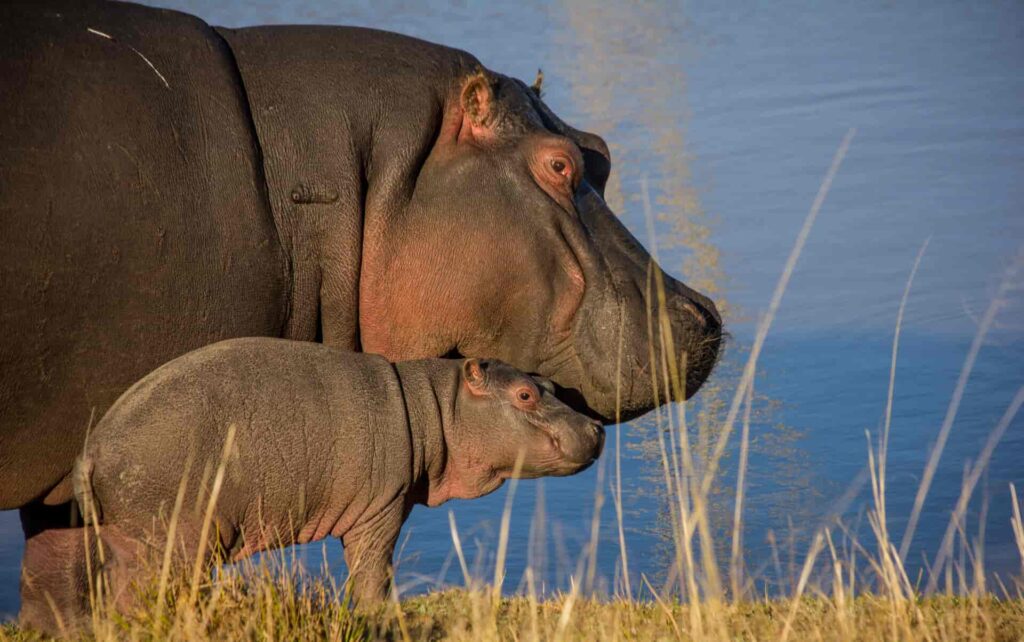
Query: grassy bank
[{"x": 272, "y": 611}]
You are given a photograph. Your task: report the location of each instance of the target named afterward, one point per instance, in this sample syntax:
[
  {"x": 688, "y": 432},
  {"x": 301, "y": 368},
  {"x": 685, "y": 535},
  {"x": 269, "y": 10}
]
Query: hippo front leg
[{"x": 368, "y": 554}]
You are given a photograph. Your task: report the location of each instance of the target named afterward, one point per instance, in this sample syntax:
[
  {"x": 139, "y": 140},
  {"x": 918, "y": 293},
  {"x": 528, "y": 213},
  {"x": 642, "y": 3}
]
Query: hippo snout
[{"x": 578, "y": 442}]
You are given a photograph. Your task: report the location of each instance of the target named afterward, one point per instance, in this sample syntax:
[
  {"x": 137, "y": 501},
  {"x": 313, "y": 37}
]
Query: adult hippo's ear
[
  {"x": 474, "y": 373},
  {"x": 477, "y": 101}
]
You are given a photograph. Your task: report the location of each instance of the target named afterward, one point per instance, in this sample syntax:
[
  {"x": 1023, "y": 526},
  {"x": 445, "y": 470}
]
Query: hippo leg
[
  {"x": 49, "y": 546},
  {"x": 368, "y": 554},
  {"x": 55, "y": 582},
  {"x": 126, "y": 567},
  {"x": 56, "y": 591}
]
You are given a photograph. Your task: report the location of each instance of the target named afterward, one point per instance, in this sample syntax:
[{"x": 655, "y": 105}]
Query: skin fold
[{"x": 325, "y": 443}]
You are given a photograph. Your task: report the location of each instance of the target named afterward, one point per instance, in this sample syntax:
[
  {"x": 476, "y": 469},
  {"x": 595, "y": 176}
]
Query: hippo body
[
  {"x": 165, "y": 185},
  {"x": 324, "y": 443}
]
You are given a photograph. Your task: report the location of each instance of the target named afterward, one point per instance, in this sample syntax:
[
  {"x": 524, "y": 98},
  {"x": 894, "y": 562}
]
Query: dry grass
[
  {"x": 269, "y": 608},
  {"x": 450, "y": 616},
  {"x": 844, "y": 589}
]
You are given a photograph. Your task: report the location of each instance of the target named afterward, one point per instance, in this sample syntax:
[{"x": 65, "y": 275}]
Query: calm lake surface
[{"x": 730, "y": 113}]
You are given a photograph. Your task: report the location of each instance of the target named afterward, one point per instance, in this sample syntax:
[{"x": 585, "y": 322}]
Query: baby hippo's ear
[{"x": 475, "y": 375}]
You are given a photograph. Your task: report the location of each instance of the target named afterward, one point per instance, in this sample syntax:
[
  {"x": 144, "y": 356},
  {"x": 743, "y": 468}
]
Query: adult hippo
[{"x": 165, "y": 185}]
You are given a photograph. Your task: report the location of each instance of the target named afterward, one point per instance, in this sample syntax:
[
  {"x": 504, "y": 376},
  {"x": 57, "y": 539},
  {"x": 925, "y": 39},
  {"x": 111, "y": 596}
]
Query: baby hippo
[{"x": 325, "y": 442}]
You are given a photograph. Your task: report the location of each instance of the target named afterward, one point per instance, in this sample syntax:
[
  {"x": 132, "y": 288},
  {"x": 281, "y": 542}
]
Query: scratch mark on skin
[{"x": 137, "y": 53}]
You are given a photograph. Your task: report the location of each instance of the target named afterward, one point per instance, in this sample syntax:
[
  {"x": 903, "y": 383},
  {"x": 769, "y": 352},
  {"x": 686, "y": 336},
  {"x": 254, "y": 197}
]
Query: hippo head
[
  {"x": 506, "y": 249},
  {"x": 502, "y": 414}
]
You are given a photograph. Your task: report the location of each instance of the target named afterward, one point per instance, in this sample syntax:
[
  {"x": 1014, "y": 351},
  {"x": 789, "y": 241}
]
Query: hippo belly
[{"x": 133, "y": 221}]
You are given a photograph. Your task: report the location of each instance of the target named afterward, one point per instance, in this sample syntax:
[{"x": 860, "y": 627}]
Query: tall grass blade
[
  {"x": 954, "y": 403},
  {"x": 946, "y": 548}
]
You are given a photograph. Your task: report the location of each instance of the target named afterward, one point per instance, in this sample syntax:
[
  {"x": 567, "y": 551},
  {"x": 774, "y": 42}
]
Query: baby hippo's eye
[{"x": 526, "y": 396}]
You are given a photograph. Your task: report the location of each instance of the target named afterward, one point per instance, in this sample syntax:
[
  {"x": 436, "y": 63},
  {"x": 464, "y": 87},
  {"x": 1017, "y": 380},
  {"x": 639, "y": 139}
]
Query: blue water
[{"x": 731, "y": 112}]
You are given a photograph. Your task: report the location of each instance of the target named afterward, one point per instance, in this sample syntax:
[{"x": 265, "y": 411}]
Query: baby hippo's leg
[
  {"x": 126, "y": 568},
  {"x": 368, "y": 551}
]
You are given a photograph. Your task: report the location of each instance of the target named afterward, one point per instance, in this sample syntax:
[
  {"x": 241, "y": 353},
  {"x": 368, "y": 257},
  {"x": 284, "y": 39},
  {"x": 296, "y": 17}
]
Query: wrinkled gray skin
[{"x": 327, "y": 443}]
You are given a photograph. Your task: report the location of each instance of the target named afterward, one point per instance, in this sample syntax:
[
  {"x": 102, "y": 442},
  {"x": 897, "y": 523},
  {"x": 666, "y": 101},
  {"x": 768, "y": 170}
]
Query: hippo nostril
[
  {"x": 708, "y": 309},
  {"x": 701, "y": 308},
  {"x": 706, "y": 316},
  {"x": 692, "y": 309}
]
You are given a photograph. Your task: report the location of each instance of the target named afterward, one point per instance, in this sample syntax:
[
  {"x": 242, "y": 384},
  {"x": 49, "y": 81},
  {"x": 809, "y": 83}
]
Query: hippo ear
[
  {"x": 478, "y": 99},
  {"x": 477, "y": 102},
  {"x": 475, "y": 375},
  {"x": 538, "y": 83}
]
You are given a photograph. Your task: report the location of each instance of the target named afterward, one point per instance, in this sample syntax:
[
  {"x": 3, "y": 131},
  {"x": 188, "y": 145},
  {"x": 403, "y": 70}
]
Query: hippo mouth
[{"x": 575, "y": 461}]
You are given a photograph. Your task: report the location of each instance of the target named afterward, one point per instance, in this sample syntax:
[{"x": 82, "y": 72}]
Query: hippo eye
[
  {"x": 561, "y": 167},
  {"x": 524, "y": 395}
]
